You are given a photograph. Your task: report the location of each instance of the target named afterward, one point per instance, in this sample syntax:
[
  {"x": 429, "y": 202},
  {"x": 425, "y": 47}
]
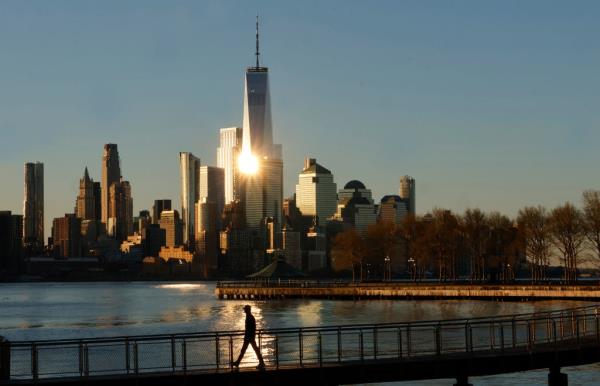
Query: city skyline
[{"x": 513, "y": 144}]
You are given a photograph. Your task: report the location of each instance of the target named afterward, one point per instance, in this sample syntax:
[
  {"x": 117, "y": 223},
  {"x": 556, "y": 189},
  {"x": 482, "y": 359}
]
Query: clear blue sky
[{"x": 488, "y": 104}]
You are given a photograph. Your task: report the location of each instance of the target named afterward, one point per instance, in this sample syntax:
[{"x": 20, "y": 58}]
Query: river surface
[{"x": 76, "y": 310}]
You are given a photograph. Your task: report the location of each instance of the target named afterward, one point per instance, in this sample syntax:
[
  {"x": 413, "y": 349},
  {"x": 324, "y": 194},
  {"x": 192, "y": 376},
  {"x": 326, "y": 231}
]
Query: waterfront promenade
[
  {"x": 329, "y": 355},
  {"x": 280, "y": 289}
]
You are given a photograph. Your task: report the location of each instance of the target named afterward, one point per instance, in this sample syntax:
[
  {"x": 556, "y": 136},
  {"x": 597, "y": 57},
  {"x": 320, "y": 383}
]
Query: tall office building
[
  {"x": 212, "y": 186},
  {"x": 120, "y": 213},
  {"x": 189, "y": 166},
  {"x": 33, "y": 206},
  {"x": 158, "y": 207},
  {"x": 355, "y": 206},
  {"x": 260, "y": 193},
  {"x": 316, "y": 193},
  {"x": 171, "y": 223},
  {"x": 407, "y": 192},
  {"x": 66, "y": 236},
  {"x": 230, "y": 144},
  {"x": 11, "y": 241},
  {"x": 111, "y": 174},
  {"x": 85, "y": 207},
  {"x": 257, "y": 127},
  {"x": 392, "y": 209}
]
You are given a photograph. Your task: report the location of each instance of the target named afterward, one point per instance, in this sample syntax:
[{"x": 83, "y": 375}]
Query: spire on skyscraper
[{"x": 257, "y": 51}]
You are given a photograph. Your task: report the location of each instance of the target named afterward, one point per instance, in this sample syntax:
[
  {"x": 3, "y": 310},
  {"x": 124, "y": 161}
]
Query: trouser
[{"x": 254, "y": 347}]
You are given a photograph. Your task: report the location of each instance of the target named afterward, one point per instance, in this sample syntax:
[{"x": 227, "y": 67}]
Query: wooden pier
[{"x": 402, "y": 290}]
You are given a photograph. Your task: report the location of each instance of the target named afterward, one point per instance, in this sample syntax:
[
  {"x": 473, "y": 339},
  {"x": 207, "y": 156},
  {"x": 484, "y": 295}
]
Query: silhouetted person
[{"x": 250, "y": 339}]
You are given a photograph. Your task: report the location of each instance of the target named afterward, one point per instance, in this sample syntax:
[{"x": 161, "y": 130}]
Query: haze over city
[{"x": 487, "y": 105}]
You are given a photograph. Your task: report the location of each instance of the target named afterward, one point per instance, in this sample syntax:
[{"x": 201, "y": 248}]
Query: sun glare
[{"x": 247, "y": 163}]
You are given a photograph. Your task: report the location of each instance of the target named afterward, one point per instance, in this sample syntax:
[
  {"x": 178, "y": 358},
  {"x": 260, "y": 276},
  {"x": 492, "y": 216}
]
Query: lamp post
[
  {"x": 413, "y": 269},
  {"x": 387, "y": 274}
]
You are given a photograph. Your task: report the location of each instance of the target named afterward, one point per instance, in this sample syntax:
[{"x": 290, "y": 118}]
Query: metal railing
[{"x": 301, "y": 347}]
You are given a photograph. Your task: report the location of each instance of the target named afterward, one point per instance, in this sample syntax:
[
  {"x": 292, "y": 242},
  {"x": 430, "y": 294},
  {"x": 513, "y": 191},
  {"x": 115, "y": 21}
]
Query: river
[{"x": 34, "y": 311}]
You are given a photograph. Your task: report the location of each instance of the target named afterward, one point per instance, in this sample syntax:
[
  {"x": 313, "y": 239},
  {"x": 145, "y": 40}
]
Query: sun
[{"x": 247, "y": 163}]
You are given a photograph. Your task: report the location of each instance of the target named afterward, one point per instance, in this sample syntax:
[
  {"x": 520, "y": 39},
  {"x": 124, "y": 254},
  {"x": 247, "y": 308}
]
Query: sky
[{"x": 491, "y": 104}]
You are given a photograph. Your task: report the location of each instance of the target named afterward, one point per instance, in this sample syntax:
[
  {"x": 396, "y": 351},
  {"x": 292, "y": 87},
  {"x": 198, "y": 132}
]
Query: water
[{"x": 74, "y": 310}]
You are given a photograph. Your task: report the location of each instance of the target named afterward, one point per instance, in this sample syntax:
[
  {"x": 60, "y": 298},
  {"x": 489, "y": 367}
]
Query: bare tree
[
  {"x": 348, "y": 251},
  {"x": 476, "y": 233},
  {"x": 443, "y": 241},
  {"x": 567, "y": 228},
  {"x": 502, "y": 245},
  {"x": 591, "y": 215},
  {"x": 534, "y": 233}
]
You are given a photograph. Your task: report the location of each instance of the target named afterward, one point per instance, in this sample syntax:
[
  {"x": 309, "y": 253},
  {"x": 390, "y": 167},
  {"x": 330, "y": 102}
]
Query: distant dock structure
[{"x": 281, "y": 289}]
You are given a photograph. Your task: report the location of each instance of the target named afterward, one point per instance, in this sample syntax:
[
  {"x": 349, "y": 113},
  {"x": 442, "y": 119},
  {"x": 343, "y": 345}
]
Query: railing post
[
  {"x": 300, "y": 347},
  {"x": 562, "y": 328},
  {"x": 514, "y": 332},
  {"x": 339, "y": 344},
  {"x": 217, "y": 351},
  {"x": 320, "y": 350},
  {"x": 361, "y": 346},
  {"x": 501, "y": 337},
  {"x": 577, "y": 329},
  {"x": 136, "y": 362},
  {"x": 375, "y": 343},
  {"x": 34, "y": 362},
  {"x": 438, "y": 340},
  {"x": 276, "y": 351},
  {"x": 529, "y": 335},
  {"x": 399, "y": 342},
  {"x": 597, "y": 326},
  {"x": 554, "y": 333},
  {"x": 184, "y": 355},
  {"x": 173, "y": 354},
  {"x": 127, "y": 356},
  {"x": 230, "y": 352},
  {"x": 86, "y": 361},
  {"x": 492, "y": 336},
  {"x": 408, "y": 340},
  {"x": 4, "y": 359},
  {"x": 80, "y": 358}
]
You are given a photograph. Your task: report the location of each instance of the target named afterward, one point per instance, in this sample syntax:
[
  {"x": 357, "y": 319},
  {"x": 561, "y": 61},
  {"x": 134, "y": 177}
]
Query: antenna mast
[{"x": 257, "y": 51}]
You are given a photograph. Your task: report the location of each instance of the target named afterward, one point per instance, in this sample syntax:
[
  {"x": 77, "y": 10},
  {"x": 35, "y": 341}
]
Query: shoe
[
  {"x": 261, "y": 366},
  {"x": 235, "y": 365}
]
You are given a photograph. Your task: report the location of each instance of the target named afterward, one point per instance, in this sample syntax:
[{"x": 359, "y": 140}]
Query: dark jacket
[{"x": 250, "y": 332}]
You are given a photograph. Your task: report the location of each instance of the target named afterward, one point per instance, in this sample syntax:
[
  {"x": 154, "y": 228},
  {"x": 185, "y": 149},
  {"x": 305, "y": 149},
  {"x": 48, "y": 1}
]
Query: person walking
[{"x": 250, "y": 339}]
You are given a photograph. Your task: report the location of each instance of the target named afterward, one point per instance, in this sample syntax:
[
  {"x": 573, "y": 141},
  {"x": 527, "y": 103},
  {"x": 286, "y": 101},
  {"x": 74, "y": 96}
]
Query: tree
[
  {"x": 348, "y": 251},
  {"x": 443, "y": 242},
  {"x": 534, "y": 233},
  {"x": 591, "y": 216},
  {"x": 567, "y": 228},
  {"x": 503, "y": 248},
  {"x": 476, "y": 232},
  {"x": 381, "y": 243}
]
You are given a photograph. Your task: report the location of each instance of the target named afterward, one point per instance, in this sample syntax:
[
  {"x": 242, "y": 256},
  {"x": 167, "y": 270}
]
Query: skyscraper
[
  {"x": 158, "y": 207},
  {"x": 171, "y": 223},
  {"x": 407, "y": 192},
  {"x": 257, "y": 108},
  {"x": 85, "y": 207},
  {"x": 66, "y": 236},
  {"x": 11, "y": 241},
  {"x": 111, "y": 174},
  {"x": 120, "y": 213},
  {"x": 33, "y": 206},
  {"x": 316, "y": 193},
  {"x": 230, "y": 144},
  {"x": 189, "y": 166},
  {"x": 212, "y": 186},
  {"x": 262, "y": 194}
]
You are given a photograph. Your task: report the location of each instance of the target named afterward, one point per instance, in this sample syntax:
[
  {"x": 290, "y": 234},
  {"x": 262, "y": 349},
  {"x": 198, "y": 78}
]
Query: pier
[
  {"x": 329, "y": 355},
  {"x": 278, "y": 289}
]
